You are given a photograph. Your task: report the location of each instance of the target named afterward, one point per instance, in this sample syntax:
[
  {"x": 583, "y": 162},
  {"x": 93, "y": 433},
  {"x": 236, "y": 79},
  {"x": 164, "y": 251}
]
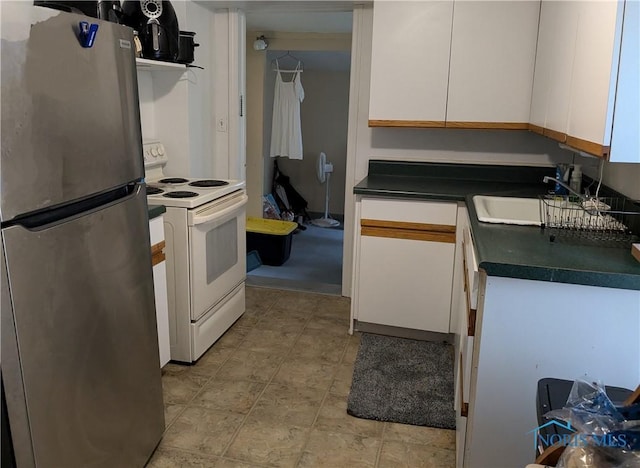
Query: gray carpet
[
  {"x": 315, "y": 264},
  {"x": 403, "y": 381}
]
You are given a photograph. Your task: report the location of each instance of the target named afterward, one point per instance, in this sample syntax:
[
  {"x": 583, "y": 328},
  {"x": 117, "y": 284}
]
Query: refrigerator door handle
[{"x": 45, "y": 219}]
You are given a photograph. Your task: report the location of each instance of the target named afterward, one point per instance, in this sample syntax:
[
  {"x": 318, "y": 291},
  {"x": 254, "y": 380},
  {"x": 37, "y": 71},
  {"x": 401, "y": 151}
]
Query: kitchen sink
[{"x": 508, "y": 210}]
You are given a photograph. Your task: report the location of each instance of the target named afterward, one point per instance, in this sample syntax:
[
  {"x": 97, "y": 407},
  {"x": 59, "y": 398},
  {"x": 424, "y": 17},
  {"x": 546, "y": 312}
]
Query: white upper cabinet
[
  {"x": 586, "y": 76},
  {"x": 410, "y": 62},
  {"x": 594, "y": 77},
  {"x": 455, "y": 63},
  {"x": 625, "y": 140},
  {"x": 493, "y": 52},
  {"x": 553, "y": 68}
]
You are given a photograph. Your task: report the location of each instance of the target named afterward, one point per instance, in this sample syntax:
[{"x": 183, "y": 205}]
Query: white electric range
[{"x": 205, "y": 251}]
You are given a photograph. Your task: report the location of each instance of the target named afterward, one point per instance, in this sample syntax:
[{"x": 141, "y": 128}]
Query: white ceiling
[
  {"x": 313, "y": 16},
  {"x": 300, "y": 21}
]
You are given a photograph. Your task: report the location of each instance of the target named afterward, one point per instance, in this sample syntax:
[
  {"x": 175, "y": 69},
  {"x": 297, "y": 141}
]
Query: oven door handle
[{"x": 218, "y": 214}]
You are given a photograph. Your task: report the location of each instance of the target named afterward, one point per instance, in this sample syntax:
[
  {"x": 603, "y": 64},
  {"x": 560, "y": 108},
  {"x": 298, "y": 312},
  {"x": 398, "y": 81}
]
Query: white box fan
[{"x": 325, "y": 169}]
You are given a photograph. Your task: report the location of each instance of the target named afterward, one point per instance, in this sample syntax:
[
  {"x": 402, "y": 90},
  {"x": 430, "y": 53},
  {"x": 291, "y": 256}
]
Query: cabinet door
[
  {"x": 493, "y": 50},
  {"x": 410, "y": 63},
  {"x": 593, "y": 84},
  {"x": 405, "y": 283},
  {"x": 625, "y": 140},
  {"x": 553, "y": 70}
]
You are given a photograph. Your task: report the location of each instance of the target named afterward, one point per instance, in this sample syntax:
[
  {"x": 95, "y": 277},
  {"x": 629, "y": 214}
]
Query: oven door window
[{"x": 220, "y": 260}]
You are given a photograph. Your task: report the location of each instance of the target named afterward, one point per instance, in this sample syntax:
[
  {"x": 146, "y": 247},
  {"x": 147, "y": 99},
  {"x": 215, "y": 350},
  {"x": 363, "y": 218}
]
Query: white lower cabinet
[
  {"x": 415, "y": 267},
  {"x": 513, "y": 332},
  {"x": 156, "y": 229},
  {"x": 529, "y": 330},
  {"x": 404, "y": 263}
]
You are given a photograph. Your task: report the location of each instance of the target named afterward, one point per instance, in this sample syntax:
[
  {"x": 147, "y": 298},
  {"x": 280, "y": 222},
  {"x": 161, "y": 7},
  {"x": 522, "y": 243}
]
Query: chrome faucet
[{"x": 547, "y": 179}]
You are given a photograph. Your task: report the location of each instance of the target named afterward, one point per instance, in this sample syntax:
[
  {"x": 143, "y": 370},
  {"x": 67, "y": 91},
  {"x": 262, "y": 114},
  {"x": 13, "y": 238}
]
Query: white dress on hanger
[{"x": 286, "y": 131}]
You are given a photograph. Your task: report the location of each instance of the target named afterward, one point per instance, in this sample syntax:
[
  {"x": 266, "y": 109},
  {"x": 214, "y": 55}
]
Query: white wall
[
  {"x": 181, "y": 108},
  {"x": 260, "y": 100},
  {"x": 175, "y": 106},
  {"x": 255, "y": 110},
  {"x": 324, "y": 113},
  {"x": 199, "y": 19},
  {"x": 623, "y": 177}
]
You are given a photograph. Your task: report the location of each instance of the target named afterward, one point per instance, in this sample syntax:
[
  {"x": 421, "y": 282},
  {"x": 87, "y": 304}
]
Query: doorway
[{"x": 315, "y": 263}]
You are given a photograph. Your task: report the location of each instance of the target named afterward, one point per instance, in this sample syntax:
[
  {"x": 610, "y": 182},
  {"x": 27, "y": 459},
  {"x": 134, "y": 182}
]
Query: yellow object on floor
[{"x": 270, "y": 226}]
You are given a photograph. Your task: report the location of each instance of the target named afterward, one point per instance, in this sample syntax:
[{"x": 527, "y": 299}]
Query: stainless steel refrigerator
[{"x": 79, "y": 358}]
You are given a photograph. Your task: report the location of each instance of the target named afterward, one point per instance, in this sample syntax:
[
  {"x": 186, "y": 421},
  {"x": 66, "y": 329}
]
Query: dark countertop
[
  {"x": 506, "y": 250},
  {"x": 156, "y": 210}
]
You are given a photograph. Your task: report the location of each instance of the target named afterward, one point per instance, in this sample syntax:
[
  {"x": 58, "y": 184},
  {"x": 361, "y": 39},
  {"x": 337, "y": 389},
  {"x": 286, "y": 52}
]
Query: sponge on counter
[{"x": 635, "y": 251}]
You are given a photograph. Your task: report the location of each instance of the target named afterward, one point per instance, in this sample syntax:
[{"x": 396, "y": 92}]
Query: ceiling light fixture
[{"x": 260, "y": 43}]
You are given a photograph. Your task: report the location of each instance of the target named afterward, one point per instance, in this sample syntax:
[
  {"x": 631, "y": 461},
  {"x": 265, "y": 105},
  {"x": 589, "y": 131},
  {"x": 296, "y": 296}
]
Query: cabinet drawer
[{"x": 409, "y": 211}]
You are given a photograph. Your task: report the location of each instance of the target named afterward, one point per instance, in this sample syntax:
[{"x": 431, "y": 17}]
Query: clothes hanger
[{"x": 276, "y": 60}]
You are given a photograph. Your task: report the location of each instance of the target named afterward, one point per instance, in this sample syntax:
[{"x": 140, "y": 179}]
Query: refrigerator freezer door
[
  {"x": 70, "y": 115},
  {"x": 85, "y": 327}
]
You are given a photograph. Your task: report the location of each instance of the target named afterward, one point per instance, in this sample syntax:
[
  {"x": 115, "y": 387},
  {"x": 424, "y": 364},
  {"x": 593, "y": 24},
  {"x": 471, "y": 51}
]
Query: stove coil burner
[
  {"x": 151, "y": 190},
  {"x": 173, "y": 180},
  {"x": 180, "y": 194},
  {"x": 209, "y": 183}
]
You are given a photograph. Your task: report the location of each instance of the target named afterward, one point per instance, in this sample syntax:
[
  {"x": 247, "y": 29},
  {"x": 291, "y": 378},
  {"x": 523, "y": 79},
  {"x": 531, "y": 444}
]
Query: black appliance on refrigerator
[
  {"x": 80, "y": 364},
  {"x": 157, "y": 26}
]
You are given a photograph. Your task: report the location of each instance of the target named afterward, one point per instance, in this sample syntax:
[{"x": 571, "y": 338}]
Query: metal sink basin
[{"x": 508, "y": 210}]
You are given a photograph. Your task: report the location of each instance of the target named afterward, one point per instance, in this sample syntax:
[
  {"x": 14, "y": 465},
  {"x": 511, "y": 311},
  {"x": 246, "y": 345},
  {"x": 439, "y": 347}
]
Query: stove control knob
[
  {"x": 154, "y": 151},
  {"x": 160, "y": 150},
  {"x": 147, "y": 156}
]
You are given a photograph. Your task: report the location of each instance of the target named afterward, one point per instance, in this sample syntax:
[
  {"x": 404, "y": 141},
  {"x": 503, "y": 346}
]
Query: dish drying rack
[{"x": 602, "y": 219}]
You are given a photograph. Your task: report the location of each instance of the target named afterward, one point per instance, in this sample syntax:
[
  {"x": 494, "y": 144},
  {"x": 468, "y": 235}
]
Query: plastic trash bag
[{"x": 604, "y": 437}]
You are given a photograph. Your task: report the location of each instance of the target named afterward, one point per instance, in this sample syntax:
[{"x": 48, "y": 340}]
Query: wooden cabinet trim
[
  {"x": 408, "y": 123},
  {"x": 159, "y": 247},
  {"x": 379, "y": 223},
  {"x": 157, "y": 253},
  {"x": 412, "y": 231},
  {"x": 157, "y": 258},
  {"x": 450, "y": 124},
  {"x": 536, "y": 129},
  {"x": 555, "y": 135},
  {"x": 588, "y": 146},
  {"x": 488, "y": 125}
]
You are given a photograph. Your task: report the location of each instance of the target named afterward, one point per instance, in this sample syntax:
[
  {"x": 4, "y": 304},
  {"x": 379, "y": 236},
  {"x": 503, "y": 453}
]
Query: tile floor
[{"x": 273, "y": 392}]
